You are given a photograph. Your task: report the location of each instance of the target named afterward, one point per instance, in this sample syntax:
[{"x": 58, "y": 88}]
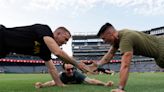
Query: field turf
[{"x": 138, "y": 82}]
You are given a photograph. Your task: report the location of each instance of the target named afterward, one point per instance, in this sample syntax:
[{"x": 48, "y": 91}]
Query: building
[
  {"x": 87, "y": 46},
  {"x": 156, "y": 31}
]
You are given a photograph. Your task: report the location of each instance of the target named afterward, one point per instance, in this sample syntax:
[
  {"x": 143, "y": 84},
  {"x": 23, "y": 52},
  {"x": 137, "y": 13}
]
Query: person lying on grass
[{"x": 72, "y": 76}]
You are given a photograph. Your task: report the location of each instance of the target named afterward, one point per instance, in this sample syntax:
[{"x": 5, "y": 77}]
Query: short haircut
[
  {"x": 63, "y": 65},
  {"x": 65, "y": 29},
  {"x": 103, "y": 28}
]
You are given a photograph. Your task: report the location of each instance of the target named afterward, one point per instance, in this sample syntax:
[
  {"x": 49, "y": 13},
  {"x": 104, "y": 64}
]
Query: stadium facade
[
  {"x": 17, "y": 63},
  {"x": 87, "y": 46}
]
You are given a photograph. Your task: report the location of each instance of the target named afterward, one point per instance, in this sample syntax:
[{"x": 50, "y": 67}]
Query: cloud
[
  {"x": 44, "y": 4},
  {"x": 47, "y": 4},
  {"x": 142, "y": 7},
  {"x": 75, "y": 5},
  {"x": 150, "y": 7}
]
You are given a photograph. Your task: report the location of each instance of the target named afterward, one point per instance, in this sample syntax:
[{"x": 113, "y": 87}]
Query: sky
[{"x": 86, "y": 16}]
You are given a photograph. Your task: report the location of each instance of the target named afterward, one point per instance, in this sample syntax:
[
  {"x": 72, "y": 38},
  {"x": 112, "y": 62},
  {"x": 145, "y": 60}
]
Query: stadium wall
[
  {"x": 139, "y": 66},
  {"x": 24, "y": 64},
  {"x": 26, "y": 69}
]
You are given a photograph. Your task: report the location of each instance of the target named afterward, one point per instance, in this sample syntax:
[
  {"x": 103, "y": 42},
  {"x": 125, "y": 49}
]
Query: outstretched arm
[
  {"x": 46, "y": 84},
  {"x": 55, "y": 49},
  {"x": 98, "y": 82},
  {"x": 106, "y": 59},
  {"x": 108, "y": 56},
  {"x": 54, "y": 73}
]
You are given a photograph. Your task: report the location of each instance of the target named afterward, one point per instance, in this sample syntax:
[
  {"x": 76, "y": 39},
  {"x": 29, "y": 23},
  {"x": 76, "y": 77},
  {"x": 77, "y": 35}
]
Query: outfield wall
[
  {"x": 138, "y": 66},
  {"x": 148, "y": 66},
  {"x": 26, "y": 69}
]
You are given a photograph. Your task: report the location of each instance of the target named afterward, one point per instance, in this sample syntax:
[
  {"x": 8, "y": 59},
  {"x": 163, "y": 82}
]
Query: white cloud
[
  {"x": 62, "y": 3},
  {"x": 144, "y": 7},
  {"x": 151, "y": 7},
  {"x": 76, "y": 5},
  {"x": 43, "y": 4},
  {"x": 3, "y": 3}
]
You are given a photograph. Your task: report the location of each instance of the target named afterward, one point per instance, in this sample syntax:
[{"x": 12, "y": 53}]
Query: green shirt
[{"x": 138, "y": 42}]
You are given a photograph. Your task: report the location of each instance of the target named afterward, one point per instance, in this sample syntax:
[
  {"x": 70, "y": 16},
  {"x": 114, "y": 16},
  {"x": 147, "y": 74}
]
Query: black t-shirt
[
  {"x": 28, "y": 40},
  {"x": 77, "y": 78}
]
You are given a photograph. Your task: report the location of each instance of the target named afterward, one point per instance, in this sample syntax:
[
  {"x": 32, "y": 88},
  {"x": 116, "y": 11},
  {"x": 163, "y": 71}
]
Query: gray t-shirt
[{"x": 77, "y": 78}]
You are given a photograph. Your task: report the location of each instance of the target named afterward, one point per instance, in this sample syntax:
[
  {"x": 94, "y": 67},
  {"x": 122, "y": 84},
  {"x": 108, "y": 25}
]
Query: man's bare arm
[
  {"x": 55, "y": 49},
  {"x": 124, "y": 70},
  {"x": 106, "y": 59},
  {"x": 54, "y": 73},
  {"x": 98, "y": 82},
  {"x": 46, "y": 84},
  {"x": 108, "y": 56}
]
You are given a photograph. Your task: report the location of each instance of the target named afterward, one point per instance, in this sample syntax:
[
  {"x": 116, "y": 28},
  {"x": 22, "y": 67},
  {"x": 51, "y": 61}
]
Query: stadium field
[{"x": 138, "y": 82}]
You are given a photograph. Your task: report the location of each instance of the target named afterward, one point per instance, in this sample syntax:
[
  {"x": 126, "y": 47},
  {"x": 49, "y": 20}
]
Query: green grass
[{"x": 138, "y": 82}]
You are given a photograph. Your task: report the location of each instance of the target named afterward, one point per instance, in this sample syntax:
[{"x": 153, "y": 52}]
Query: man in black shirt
[
  {"x": 37, "y": 40},
  {"x": 72, "y": 76}
]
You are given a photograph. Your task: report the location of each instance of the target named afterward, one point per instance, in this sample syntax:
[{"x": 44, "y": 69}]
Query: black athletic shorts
[{"x": 2, "y": 46}]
